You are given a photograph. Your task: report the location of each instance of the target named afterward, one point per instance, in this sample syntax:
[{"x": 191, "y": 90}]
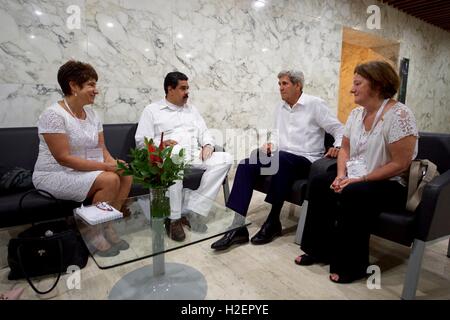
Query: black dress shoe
[
  {"x": 268, "y": 232},
  {"x": 232, "y": 237}
]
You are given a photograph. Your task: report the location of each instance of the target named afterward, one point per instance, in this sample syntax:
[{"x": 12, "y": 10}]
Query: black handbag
[{"x": 45, "y": 248}]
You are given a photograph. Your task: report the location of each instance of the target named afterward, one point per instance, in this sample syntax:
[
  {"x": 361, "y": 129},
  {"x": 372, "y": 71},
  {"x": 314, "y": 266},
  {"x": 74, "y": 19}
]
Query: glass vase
[{"x": 159, "y": 203}]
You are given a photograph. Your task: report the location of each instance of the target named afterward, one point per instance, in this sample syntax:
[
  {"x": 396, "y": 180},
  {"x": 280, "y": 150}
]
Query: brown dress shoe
[{"x": 175, "y": 230}]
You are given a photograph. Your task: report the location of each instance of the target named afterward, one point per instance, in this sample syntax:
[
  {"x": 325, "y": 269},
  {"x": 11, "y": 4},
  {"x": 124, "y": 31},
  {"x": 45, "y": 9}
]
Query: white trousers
[{"x": 200, "y": 200}]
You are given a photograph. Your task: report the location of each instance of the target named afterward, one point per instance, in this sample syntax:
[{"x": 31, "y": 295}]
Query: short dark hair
[
  {"x": 76, "y": 71},
  {"x": 381, "y": 75},
  {"x": 172, "y": 78}
]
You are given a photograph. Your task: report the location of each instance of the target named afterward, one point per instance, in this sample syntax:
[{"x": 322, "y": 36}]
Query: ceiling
[{"x": 435, "y": 12}]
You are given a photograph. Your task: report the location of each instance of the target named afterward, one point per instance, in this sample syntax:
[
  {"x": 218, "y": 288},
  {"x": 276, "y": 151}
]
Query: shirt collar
[
  {"x": 300, "y": 102},
  {"x": 171, "y": 106}
]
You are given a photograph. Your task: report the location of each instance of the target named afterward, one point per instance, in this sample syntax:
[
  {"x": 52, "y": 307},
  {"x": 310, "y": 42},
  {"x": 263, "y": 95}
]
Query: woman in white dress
[
  {"x": 73, "y": 161},
  {"x": 379, "y": 143}
]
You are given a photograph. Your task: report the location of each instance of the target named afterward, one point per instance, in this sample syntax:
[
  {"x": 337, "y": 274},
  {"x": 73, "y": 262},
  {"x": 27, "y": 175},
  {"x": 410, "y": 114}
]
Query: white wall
[{"x": 230, "y": 50}]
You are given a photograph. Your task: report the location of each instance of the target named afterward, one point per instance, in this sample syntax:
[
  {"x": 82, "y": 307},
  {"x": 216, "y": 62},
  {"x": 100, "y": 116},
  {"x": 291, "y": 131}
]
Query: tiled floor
[{"x": 268, "y": 271}]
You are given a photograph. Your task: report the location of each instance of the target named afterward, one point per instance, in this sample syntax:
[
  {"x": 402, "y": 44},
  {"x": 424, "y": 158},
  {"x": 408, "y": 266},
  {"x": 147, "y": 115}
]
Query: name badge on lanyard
[
  {"x": 95, "y": 154},
  {"x": 357, "y": 167}
]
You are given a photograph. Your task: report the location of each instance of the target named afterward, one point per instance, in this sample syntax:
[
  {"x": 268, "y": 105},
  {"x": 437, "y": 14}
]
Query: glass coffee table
[{"x": 144, "y": 237}]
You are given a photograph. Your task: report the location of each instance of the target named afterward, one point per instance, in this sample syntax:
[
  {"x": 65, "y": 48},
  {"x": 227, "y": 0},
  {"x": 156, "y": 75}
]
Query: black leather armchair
[{"x": 431, "y": 220}]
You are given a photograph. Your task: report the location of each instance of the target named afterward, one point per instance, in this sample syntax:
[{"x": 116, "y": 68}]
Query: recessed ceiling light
[
  {"x": 32, "y": 36},
  {"x": 259, "y": 3},
  {"x": 110, "y": 24},
  {"x": 179, "y": 36},
  {"x": 38, "y": 12},
  {"x": 147, "y": 49}
]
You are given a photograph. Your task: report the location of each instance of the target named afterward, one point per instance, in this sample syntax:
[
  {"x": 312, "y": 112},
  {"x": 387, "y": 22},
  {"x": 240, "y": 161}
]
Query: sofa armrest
[
  {"x": 433, "y": 212},
  {"x": 320, "y": 166}
]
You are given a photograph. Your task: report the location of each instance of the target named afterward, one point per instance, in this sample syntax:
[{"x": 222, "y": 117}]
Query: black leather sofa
[{"x": 20, "y": 148}]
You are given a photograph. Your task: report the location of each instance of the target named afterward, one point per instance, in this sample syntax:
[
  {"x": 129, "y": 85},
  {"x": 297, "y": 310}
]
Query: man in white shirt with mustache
[{"x": 184, "y": 127}]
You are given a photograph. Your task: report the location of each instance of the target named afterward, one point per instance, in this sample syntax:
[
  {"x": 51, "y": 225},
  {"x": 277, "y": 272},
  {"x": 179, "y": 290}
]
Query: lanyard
[{"x": 375, "y": 122}]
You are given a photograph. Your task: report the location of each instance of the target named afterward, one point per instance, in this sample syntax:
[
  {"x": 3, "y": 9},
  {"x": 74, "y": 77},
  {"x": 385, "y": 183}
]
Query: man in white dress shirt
[
  {"x": 184, "y": 127},
  {"x": 301, "y": 121}
]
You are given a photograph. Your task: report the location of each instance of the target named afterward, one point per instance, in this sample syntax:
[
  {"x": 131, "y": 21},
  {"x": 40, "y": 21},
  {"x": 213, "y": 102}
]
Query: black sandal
[{"x": 305, "y": 260}]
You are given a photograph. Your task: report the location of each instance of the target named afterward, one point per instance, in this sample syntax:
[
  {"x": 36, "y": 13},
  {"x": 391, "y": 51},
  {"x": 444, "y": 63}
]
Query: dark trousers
[
  {"x": 337, "y": 227},
  {"x": 291, "y": 167}
]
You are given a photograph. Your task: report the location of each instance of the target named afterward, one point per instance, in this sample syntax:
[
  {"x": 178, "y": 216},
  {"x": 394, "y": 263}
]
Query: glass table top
[{"x": 145, "y": 236}]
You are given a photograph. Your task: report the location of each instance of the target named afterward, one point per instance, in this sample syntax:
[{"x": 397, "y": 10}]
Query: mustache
[{"x": 185, "y": 96}]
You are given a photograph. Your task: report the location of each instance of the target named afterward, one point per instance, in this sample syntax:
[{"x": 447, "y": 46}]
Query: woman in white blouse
[
  {"x": 73, "y": 161},
  {"x": 379, "y": 143}
]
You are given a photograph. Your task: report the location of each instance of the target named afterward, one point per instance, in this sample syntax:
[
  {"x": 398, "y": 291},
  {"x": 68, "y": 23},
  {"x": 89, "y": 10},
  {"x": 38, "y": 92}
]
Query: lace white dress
[
  {"x": 398, "y": 122},
  {"x": 63, "y": 182}
]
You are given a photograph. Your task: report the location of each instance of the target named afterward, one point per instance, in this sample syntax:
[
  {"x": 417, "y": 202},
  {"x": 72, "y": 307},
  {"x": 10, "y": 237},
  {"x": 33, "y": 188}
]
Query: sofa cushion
[
  {"x": 192, "y": 178},
  {"x": 396, "y": 226},
  {"x": 119, "y": 139},
  {"x": 20, "y": 147},
  {"x": 35, "y": 208}
]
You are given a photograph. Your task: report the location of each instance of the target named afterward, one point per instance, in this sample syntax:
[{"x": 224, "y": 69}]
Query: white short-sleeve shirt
[{"x": 398, "y": 122}]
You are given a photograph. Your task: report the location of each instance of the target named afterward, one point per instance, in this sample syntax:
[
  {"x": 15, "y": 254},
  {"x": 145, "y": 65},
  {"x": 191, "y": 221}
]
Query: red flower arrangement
[{"x": 154, "y": 167}]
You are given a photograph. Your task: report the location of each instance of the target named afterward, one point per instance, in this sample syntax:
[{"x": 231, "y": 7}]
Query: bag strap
[
  {"x": 413, "y": 179},
  {"x": 415, "y": 173},
  {"x": 41, "y": 192},
  {"x": 19, "y": 255}
]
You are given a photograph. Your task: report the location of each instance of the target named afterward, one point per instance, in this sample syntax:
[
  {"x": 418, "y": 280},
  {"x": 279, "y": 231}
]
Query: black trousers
[
  {"x": 290, "y": 168},
  {"x": 337, "y": 227}
]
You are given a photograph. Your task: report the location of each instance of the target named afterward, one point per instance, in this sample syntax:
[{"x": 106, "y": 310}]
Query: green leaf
[{"x": 150, "y": 174}]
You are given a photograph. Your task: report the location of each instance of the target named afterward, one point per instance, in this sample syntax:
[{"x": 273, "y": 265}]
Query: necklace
[{"x": 70, "y": 109}]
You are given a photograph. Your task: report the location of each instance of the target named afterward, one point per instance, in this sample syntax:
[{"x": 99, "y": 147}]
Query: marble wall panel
[
  {"x": 235, "y": 127},
  {"x": 231, "y": 51},
  {"x": 204, "y": 42},
  {"x": 35, "y": 40},
  {"x": 21, "y": 104},
  {"x": 130, "y": 43},
  {"x": 124, "y": 105}
]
